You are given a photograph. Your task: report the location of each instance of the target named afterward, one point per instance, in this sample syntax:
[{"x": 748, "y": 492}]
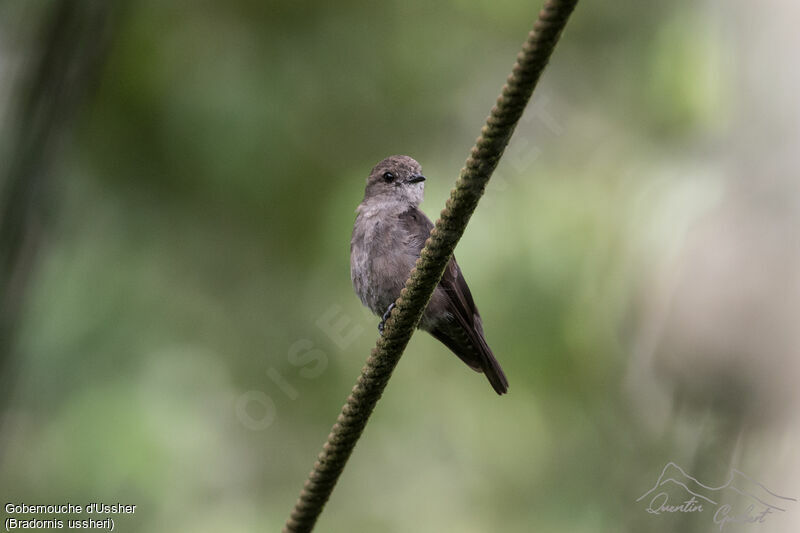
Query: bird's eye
[{"x": 388, "y": 177}]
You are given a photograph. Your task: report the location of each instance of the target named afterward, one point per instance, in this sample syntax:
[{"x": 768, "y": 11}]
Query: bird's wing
[
  {"x": 467, "y": 340},
  {"x": 465, "y": 336},
  {"x": 459, "y": 299}
]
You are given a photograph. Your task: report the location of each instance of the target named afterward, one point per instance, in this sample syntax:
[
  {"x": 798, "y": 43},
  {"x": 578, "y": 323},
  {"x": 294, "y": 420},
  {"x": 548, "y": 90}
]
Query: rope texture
[{"x": 425, "y": 276}]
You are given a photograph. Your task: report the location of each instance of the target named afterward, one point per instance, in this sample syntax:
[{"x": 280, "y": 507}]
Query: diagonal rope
[{"x": 431, "y": 263}]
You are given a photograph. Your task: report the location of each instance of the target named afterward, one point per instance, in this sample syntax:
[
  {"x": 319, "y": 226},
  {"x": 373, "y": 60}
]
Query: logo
[{"x": 740, "y": 500}]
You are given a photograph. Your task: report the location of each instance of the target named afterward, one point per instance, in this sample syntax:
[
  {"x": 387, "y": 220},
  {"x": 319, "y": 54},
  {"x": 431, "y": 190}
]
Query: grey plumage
[{"x": 388, "y": 235}]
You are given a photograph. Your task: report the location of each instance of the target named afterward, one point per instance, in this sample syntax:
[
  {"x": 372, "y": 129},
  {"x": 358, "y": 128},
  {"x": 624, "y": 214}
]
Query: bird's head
[{"x": 397, "y": 178}]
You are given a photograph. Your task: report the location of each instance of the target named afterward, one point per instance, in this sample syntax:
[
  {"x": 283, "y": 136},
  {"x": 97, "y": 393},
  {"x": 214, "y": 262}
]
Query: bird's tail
[
  {"x": 469, "y": 344},
  {"x": 490, "y": 367}
]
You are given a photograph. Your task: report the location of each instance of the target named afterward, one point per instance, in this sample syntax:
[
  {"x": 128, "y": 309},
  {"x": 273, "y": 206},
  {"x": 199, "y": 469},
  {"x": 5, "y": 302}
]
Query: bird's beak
[{"x": 416, "y": 178}]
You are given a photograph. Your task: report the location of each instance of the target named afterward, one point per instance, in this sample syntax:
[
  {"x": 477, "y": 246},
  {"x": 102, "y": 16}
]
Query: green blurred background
[{"x": 635, "y": 259}]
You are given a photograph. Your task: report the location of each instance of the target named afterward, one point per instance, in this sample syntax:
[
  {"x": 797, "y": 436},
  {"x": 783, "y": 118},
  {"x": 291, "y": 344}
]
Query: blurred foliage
[{"x": 203, "y": 225}]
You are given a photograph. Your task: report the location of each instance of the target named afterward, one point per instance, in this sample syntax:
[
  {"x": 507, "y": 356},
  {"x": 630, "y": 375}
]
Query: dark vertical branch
[{"x": 61, "y": 74}]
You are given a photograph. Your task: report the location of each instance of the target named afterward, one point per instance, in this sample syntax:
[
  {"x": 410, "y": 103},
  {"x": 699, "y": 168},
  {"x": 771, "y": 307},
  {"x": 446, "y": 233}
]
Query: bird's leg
[{"x": 385, "y": 317}]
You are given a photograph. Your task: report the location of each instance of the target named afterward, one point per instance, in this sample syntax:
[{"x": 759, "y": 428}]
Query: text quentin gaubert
[{"x": 68, "y": 508}]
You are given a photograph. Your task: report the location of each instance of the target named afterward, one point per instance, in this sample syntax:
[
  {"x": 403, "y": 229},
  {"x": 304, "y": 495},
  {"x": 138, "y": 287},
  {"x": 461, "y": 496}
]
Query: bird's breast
[{"x": 379, "y": 260}]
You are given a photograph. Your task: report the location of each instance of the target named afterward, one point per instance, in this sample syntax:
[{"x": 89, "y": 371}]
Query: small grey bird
[{"x": 388, "y": 236}]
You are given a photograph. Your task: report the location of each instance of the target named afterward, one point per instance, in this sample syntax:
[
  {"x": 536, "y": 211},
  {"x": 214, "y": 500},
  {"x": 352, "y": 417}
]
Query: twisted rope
[{"x": 431, "y": 264}]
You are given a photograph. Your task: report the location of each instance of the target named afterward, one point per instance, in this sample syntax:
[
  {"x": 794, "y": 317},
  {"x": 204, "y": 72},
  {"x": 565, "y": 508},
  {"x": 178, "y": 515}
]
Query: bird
[{"x": 388, "y": 235}]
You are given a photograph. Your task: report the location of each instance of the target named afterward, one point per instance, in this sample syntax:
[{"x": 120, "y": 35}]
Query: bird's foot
[{"x": 385, "y": 317}]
